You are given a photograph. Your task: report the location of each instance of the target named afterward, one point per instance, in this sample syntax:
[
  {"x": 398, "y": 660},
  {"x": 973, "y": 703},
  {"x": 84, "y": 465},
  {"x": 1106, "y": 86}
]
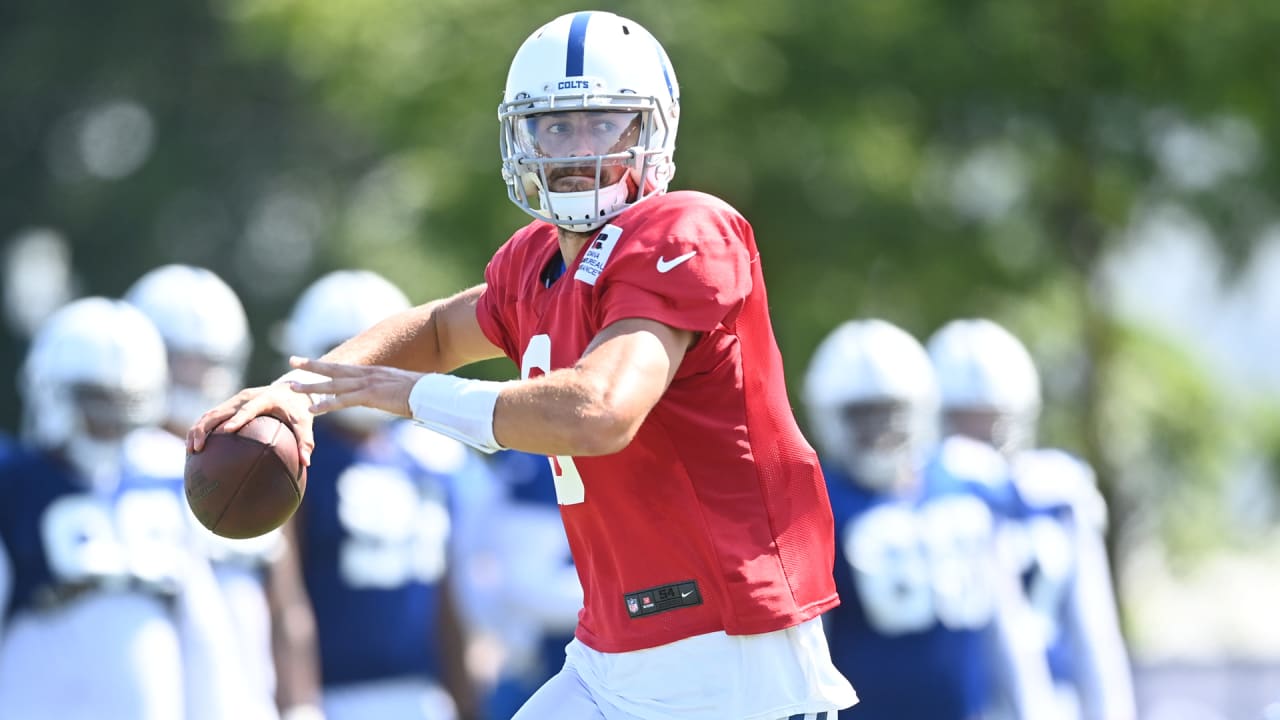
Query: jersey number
[
  {"x": 1042, "y": 552},
  {"x": 535, "y": 362},
  {"x": 140, "y": 537},
  {"x": 914, "y": 568},
  {"x": 395, "y": 534}
]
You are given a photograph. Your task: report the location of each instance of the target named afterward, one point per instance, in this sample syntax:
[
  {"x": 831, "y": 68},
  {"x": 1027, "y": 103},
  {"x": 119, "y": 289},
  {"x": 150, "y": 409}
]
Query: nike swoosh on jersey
[{"x": 665, "y": 265}]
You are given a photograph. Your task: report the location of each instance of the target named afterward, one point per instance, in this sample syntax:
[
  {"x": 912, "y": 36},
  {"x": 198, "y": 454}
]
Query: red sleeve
[
  {"x": 492, "y": 308},
  {"x": 687, "y": 266}
]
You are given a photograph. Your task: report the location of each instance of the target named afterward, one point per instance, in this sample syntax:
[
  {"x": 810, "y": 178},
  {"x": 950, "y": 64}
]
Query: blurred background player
[
  {"x": 206, "y": 336},
  {"x": 540, "y": 592},
  {"x": 374, "y": 533},
  {"x": 990, "y": 392},
  {"x": 924, "y": 628},
  {"x": 109, "y": 608}
]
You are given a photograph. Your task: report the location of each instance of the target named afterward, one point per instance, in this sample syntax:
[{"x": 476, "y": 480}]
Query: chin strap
[{"x": 580, "y": 208}]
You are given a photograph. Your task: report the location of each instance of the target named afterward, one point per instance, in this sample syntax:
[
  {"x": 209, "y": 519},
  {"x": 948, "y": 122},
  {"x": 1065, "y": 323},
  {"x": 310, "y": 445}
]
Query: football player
[
  {"x": 990, "y": 392},
  {"x": 926, "y": 604},
  {"x": 206, "y": 336},
  {"x": 374, "y": 534},
  {"x": 649, "y": 374},
  {"x": 109, "y": 610}
]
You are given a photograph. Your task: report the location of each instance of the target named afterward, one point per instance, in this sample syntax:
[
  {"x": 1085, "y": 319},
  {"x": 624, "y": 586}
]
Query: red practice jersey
[{"x": 716, "y": 516}]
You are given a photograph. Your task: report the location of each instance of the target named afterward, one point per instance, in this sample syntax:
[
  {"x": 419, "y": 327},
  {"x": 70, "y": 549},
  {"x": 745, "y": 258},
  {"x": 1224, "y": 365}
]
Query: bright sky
[{"x": 1172, "y": 277}]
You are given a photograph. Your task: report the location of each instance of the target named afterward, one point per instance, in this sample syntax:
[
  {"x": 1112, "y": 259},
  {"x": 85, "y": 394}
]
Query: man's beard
[{"x": 580, "y": 178}]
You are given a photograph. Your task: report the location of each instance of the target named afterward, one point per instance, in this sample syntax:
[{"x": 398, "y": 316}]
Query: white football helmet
[
  {"x": 96, "y": 370},
  {"x": 331, "y": 310},
  {"x": 206, "y": 331},
  {"x": 871, "y": 397},
  {"x": 613, "y": 69},
  {"x": 990, "y": 389}
]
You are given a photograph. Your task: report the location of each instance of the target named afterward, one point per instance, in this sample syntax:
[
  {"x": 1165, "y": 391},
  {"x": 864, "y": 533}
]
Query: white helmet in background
[
  {"x": 205, "y": 330},
  {"x": 871, "y": 398},
  {"x": 332, "y": 309},
  {"x": 990, "y": 389},
  {"x": 619, "y": 79},
  {"x": 96, "y": 370}
]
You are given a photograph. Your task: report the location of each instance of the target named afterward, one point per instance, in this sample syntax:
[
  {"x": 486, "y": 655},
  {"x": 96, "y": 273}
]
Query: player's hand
[
  {"x": 232, "y": 414},
  {"x": 376, "y": 386}
]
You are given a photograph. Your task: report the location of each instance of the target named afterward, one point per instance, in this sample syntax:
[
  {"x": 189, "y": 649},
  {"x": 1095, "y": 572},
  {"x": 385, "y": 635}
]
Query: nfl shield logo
[{"x": 633, "y": 606}]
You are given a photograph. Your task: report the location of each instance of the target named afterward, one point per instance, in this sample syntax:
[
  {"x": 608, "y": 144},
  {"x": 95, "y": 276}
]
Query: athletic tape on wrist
[{"x": 456, "y": 407}]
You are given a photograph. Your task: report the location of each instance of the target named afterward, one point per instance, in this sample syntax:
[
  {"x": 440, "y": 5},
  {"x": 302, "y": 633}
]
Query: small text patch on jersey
[
  {"x": 663, "y": 598},
  {"x": 598, "y": 254}
]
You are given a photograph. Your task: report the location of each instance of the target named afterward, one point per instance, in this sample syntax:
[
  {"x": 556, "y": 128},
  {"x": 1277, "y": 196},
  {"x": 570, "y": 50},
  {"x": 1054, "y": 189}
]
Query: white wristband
[{"x": 459, "y": 408}]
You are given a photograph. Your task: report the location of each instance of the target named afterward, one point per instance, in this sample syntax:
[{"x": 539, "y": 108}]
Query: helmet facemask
[
  {"x": 106, "y": 417},
  {"x": 1008, "y": 432},
  {"x": 88, "y": 423},
  {"x": 613, "y": 143},
  {"x": 198, "y": 382},
  {"x": 881, "y": 443}
]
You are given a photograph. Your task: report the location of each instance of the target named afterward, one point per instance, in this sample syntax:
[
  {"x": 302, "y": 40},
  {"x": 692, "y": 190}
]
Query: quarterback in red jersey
[
  {"x": 696, "y": 512},
  {"x": 714, "y": 516}
]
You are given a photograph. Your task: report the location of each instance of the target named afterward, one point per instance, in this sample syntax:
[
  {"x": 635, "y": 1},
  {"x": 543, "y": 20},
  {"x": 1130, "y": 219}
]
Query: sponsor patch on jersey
[
  {"x": 663, "y": 598},
  {"x": 597, "y": 254}
]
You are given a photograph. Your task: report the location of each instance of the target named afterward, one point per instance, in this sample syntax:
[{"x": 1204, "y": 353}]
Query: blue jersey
[
  {"x": 64, "y": 537},
  {"x": 374, "y": 530},
  {"x": 526, "y": 478},
  {"x": 529, "y": 485},
  {"x": 1057, "y": 545},
  {"x": 915, "y": 581},
  {"x": 1056, "y": 499}
]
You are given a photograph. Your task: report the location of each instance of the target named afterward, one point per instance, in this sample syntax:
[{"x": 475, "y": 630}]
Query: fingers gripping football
[
  {"x": 375, "y": 386},
  {"x": 233, "y": 414}
]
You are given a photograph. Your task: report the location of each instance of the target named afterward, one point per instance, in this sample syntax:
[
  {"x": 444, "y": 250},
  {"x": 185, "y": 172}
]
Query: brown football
[{"x": 247, "y": 483}]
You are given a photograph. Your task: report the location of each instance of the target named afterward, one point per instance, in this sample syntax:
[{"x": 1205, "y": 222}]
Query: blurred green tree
[{"x": 129, "y": 130}]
